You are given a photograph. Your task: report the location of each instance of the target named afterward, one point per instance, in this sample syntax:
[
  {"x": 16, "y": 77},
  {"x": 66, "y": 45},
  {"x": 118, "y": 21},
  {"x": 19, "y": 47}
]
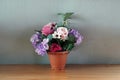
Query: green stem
[{"x": 65, "y": 23}]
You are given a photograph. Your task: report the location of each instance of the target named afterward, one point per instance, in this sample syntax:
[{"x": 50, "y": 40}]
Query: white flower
[
  {"x": 56, "y": 35},
  {"x": 61, "y": 33}
]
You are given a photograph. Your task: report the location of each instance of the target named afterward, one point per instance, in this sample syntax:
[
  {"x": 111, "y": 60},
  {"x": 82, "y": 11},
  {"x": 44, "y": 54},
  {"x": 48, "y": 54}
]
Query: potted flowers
[{"x": 56, "y": 40}]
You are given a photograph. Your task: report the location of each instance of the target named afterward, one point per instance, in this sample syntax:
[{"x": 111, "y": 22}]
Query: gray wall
[{"x": 97, "y": 20}]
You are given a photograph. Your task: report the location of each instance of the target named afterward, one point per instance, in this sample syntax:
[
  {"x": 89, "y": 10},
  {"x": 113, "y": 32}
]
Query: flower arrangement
[{"x": 56, "y": 37}]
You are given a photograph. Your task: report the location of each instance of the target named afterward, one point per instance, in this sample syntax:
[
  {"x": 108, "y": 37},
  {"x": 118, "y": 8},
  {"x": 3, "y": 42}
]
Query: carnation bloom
[
  {"x": 55, "y": 47},
  {"x": 77, "y": 35},
  {"x": 48, "y": 29},
  {"x": 61, "y": 33}
]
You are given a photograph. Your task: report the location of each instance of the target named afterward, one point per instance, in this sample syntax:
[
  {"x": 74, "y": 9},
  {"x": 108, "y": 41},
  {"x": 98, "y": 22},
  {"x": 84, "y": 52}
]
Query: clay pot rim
[{"x": 58, "y": 53}]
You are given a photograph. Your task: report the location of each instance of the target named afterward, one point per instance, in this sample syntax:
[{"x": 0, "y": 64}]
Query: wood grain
[{"x": 72, "y": 72}]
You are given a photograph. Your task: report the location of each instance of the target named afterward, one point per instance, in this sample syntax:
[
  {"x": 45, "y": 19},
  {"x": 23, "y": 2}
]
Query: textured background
[{"x": 97, "y": 20}]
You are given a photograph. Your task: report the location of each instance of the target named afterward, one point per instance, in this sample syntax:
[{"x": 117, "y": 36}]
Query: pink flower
[
  {"x": 55, "y": 47},
  {"x": 48, "y": 29}
]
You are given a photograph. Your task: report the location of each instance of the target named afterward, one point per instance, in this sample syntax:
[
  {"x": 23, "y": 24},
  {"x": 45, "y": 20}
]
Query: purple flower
[
  {"x": 40, "y": 50},
  {"x": 79, "y": 40},
  {"x": 35, "y": 39},
  {"x": 77, "y": 35},
  {"x": 42, "y": 47}
]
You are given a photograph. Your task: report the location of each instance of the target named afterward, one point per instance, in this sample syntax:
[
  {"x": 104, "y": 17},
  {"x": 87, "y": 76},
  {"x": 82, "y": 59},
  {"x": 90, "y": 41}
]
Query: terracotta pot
[{"x": 58, "y": 59}]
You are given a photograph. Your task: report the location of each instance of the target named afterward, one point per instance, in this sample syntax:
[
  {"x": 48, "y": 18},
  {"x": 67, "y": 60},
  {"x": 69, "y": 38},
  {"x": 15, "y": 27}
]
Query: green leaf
[
  {"x": 71, "y": 38},
  {"x": 69, "y": 47},
  {"x": 50, "y": 37},
  {"x": 60, "y": 13},
  {"x": 43, "y": 36},
  {"x": 67, "y": 16}
]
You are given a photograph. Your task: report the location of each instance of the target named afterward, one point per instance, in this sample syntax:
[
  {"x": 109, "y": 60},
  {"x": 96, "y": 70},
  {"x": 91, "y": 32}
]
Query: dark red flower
[{"x": 55, "y": 47}]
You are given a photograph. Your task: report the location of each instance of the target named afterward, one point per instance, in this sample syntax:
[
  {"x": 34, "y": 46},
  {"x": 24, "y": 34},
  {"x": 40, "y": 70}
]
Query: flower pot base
[{"x": 58, "y": 60}]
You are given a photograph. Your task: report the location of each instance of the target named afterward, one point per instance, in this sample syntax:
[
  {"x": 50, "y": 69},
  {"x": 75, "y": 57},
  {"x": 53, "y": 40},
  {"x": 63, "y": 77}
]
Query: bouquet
[{"x": 56, "y": 37}]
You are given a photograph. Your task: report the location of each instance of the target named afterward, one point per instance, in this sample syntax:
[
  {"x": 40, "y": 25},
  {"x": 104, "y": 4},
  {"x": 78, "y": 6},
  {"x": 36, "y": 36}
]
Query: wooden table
[{"x": 72, "y": 72}]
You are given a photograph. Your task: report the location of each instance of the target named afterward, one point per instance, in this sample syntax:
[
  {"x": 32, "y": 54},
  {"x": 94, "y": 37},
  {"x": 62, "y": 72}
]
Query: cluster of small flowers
[{"x": 52, "y": 30}]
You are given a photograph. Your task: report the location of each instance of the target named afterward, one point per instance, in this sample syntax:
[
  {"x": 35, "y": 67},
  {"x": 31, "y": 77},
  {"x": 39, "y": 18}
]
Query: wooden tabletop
[{"x": 72, "y": 72}]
